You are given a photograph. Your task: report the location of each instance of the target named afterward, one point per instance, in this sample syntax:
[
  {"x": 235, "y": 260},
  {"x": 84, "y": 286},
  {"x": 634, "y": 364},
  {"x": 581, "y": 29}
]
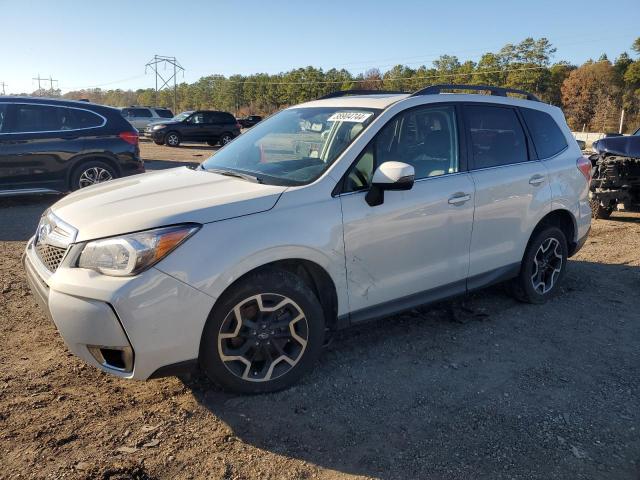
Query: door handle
[
  {"x": 459, "y": 198},
  {"x": 536, "y": 180}
]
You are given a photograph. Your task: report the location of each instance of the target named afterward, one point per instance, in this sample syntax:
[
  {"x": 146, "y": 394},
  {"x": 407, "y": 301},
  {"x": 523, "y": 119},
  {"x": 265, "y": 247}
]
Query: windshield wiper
[{"x": 232, "y": 173}]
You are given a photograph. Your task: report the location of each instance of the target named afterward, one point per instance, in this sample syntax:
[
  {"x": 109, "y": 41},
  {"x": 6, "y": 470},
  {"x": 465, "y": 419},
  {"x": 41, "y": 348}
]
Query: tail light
[
  {"x": 129, "y": 137},
  {"x": 584, "y": 165},
  {"x": 238, "y": 126}
]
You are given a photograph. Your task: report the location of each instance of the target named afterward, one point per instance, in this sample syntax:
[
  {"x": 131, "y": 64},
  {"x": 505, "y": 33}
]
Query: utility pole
[
  {"x": 153, "y": 64},
  {"x": 621, "y": 120},
  {"x": 3, "y": 85}
]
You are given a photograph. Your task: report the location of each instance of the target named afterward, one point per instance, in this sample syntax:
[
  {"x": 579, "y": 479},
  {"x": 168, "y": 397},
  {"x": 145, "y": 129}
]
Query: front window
[
  {"x": 182, "y": 116},
  {"x": 293, "y": 147}
]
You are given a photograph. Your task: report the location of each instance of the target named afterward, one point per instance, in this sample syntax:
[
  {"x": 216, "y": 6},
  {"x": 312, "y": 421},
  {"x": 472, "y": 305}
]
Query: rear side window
[
  {"x": 3, "y": 116},
  {"x": 547, "y": 136},
  {"x": 497, "y": 137},
  {"x": 164, "y": 113},
  {"x": 83, "y": 119},
  {"x": 224, "y": 117},
  {"x": 140, "y": 112}
]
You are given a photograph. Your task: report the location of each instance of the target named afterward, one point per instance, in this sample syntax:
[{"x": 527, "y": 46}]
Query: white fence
[{"x": 588, "y": 137}]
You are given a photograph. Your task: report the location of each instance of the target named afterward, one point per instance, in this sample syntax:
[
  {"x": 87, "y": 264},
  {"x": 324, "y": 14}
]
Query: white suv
[
  {"x": 328, "y": 214},
  {"x": 141, "y": 117}
]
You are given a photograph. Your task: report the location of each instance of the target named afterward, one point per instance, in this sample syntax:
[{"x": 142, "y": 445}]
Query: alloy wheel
[
  {"x": 225, "y": 139},
  {"x": 547, "y": 265},
  {"x": 94, "y": 175},
  {"x": 263, "y": 337},
  {"x": 172, "y": 140}
]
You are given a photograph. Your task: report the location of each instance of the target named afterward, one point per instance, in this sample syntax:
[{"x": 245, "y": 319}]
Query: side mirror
[{"x": 389, "y": 176}]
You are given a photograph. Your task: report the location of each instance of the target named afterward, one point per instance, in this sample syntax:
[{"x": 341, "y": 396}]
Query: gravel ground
[{"x": 478, "y": 388}]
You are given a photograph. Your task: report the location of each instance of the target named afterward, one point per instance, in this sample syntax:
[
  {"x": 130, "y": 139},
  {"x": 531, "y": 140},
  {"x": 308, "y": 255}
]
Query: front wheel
[
  {"x": 264, "y": 334},
  {"x": 172, "y": 139},
  {"x": 543, "y": 266}
]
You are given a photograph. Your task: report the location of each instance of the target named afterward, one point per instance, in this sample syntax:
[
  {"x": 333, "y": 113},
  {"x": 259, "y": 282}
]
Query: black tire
[
  {"x": 212, "y": 143},
  {"x": 158, "y": 143},
  {"x": 528, "y": 289},
  {"x": 172, "y": 139},
  {"x": 599, "y": 211},
  {"x": 225, "y": 138},
  {"x": 91, "y": 172},
  {"x": 222, "y": 333}
]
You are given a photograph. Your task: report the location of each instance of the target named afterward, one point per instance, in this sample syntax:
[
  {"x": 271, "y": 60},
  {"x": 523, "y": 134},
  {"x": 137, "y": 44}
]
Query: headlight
[
  {"x": 130, "y": 254},
  {"x": 158, "y": 127}
]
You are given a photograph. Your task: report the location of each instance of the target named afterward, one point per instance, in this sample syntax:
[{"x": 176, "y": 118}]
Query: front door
[{"x": 415, "y": 246}]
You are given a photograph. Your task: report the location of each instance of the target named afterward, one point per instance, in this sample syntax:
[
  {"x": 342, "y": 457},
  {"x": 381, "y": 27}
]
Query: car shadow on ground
[
  {"x": 19, "y": 216},
  {"x": 624, "y": 217},
  {"x": 472, "y": 388}
]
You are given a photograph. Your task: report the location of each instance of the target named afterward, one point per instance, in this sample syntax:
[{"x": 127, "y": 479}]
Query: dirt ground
[{"x": 478, "y": 388}]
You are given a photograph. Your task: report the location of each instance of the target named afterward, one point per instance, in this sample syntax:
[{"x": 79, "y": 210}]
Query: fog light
[{"x": 115, "y": 358}]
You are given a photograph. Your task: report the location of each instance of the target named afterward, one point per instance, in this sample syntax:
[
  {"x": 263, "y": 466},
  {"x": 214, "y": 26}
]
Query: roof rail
[
  {"x": 346, "y": 93},
  {"x": 498, "y": 91}
]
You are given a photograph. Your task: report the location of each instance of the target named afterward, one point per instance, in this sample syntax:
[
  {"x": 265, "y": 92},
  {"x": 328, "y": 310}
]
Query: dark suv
[
  {"x": 53, "y": 146},
  {"x": 200, "y": 126}
]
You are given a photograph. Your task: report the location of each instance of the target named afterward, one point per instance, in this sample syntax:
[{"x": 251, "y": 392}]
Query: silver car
[{"x": 325, "y": 215}]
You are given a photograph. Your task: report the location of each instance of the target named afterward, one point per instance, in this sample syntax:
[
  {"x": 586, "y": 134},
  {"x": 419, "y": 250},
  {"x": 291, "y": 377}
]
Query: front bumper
[{"x": 127, "y": 326}]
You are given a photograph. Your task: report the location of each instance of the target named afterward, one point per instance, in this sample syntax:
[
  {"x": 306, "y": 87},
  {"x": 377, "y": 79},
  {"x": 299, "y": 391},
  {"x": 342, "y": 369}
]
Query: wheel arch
[
  {"x": 311, "y": 273},
  {"x": 100, "y": 157},
  {"x": 565, "y": 221}
]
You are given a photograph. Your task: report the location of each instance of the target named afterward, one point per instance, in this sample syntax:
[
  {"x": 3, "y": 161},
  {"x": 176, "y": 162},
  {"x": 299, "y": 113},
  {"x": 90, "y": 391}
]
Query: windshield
[
  {"x": 293, "y": 147},
  {"x": 182, "y": 116}
]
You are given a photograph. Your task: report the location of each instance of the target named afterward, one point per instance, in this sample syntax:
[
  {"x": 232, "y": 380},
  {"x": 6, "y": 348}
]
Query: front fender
[{"x": 221, "y": 252}]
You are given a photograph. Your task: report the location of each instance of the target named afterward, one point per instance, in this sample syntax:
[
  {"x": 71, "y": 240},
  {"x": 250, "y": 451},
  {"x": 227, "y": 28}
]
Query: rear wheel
[
  {"x": 265, "y": 333},
  {"x": 543, "y": 266},
  {"x": 90, "y": 173},
  {"x": 172, "y": 139},
  {"x": 225, "y": 138},
  {"x": 212, "y": 143}
]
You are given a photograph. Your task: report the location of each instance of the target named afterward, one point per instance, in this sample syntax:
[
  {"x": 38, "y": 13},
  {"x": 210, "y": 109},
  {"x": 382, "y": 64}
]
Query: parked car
[
  {"x": 325, "y": 215},
  {"x": 140, "y": 117},
  {"x": 52, "y": 146},
  {"x": 208, "y": 126},
  {"x": 616, "y": 174},
  {"x": 249, "y": 121}
]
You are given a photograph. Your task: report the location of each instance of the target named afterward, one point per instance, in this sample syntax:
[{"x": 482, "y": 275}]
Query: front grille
[{"x": 50, "y": 256}]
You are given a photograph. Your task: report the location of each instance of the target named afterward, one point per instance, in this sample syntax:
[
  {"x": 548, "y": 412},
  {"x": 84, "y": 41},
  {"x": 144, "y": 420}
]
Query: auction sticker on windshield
[{"x": 358, "y": 117}]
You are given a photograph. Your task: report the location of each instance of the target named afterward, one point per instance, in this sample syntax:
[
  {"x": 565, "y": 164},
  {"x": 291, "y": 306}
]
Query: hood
[
  {"x": 626, "y": 146},
  {"x": 168, "y": 121},
  {"x": 166, "y": 197}
]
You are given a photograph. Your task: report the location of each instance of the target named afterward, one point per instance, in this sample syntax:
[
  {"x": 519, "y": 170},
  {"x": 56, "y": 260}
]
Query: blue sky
[{"x": 107, "y": 43}]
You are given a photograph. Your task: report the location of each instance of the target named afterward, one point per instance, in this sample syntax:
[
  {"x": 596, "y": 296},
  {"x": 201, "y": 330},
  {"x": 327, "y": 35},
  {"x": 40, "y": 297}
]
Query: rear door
[
  {"x": 512, "y": 190},
  {"x": 37, "y": 145},
  {"x": 213, "y": 125}
]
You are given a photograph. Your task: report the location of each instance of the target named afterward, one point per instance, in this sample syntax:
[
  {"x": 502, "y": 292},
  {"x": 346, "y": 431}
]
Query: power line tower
[
  {"x": 40, "y": 80},
  {"x": 170, "y": 62}
]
